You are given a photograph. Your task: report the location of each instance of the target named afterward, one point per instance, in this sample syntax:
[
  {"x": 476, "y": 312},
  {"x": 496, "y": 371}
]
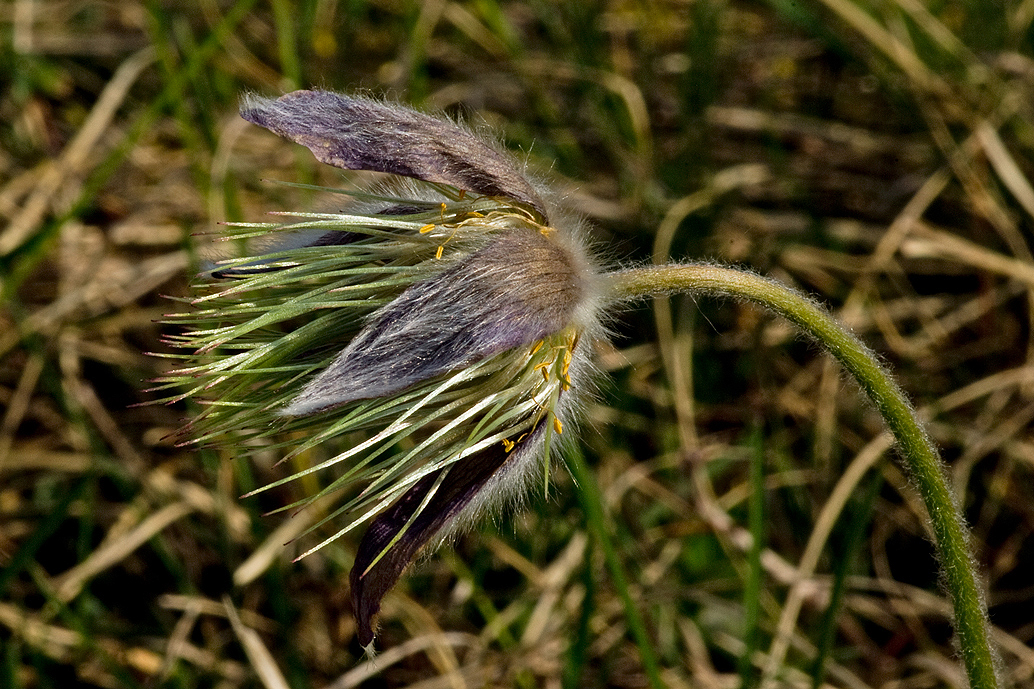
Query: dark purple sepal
[
  {"x": 366, "y": 134},
  {"x": 370, "y": 580}
]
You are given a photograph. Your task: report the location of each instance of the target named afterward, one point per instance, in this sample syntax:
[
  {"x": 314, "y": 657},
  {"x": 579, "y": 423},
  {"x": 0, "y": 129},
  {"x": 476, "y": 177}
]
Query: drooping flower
[{"x": 438, "y": 335}]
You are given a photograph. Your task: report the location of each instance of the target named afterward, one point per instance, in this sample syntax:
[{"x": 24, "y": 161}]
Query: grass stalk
[{"x": 595, "y": 517}]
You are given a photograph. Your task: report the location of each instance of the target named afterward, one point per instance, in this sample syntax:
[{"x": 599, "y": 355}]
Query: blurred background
[{"x": 742, "y": 519}]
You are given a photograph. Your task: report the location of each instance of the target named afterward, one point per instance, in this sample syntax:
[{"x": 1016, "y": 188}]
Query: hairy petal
[
  {"x": 515, "y": 291},
  {"x": 371, "y": 578},
  {"x": 366, "y": 134}
]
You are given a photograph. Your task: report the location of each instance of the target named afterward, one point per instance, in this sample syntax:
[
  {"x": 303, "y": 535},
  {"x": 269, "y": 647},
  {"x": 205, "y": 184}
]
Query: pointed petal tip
[
  {"x": 303, "y": 406},
  {"x": 252, "y": 105},
  {"x": 335, "y": 386},
  {"x": 278, "y": 114}
]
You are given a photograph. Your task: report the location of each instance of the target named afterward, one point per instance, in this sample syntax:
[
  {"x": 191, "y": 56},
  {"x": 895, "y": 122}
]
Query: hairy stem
[{"x": 951, "y": 538}]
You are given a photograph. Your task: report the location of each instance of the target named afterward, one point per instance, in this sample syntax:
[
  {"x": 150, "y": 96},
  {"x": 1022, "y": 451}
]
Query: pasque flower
[
  {"x": 438, "y": 334},
  {"x": 438, "y": 338}
]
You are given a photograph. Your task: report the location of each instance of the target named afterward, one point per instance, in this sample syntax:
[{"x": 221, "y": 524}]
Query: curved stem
[{"x": 951, "y": 538}]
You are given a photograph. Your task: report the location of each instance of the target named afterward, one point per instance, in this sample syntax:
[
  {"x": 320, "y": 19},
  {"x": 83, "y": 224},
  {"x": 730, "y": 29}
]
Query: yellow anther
[
  {"x": 557, "y": 426},
  {"x": 427, "y": 228},
  {"x": 536, "y": 347},
  {"x": 508, "y": 444},
  {"x": 438, "y": 254},
  {"x": 463, "y": 193}
]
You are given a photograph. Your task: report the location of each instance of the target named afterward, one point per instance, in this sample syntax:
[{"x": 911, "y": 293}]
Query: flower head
[{"x": 438, "y": 335}]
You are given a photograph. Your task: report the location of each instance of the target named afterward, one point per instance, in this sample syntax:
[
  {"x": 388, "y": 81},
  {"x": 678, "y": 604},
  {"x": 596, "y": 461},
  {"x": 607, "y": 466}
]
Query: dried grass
[{"x": 875, "y": 154}]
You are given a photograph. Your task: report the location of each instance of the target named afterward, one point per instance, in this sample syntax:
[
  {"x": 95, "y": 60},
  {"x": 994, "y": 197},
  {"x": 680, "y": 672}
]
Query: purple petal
[
  {"x": 458, "y": 491},
  {"x": 513, "y": 292},
  {"x": 365, "y": 134}
]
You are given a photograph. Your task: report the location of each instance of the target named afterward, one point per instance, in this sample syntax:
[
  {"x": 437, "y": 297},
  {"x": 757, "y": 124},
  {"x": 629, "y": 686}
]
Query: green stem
[{"x": 951, "y": 538}]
